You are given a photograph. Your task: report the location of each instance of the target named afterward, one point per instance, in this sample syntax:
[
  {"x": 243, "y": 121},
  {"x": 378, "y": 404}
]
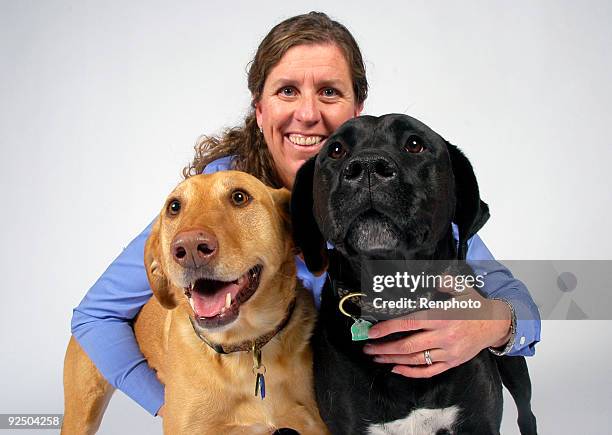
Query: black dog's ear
[
  {"x": 471, "y": 212},
  {"x": 306, "y": 232}
]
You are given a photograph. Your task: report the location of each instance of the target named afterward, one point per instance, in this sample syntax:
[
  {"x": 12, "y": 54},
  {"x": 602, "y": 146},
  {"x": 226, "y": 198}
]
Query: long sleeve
[
  {"x": 500, "y": 283},
  {"x": 102, "y": 324}
]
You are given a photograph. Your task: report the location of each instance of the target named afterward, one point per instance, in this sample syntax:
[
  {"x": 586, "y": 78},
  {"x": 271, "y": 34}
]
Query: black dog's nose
[
  {"x": 374, "y": 167},
  {"x": 194, "y": 248}
]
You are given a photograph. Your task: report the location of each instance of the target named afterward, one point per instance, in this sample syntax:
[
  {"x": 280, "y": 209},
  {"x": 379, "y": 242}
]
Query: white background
[{"x": 101, "y": 102}]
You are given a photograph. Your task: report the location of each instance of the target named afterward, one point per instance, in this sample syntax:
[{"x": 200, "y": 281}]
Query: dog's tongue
[{"x": 210, "y": 305}]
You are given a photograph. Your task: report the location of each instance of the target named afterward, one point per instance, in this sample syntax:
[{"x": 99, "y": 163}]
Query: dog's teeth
[
  {"x": 192, "y": 305},
  {"x": 228, "y": 300}
]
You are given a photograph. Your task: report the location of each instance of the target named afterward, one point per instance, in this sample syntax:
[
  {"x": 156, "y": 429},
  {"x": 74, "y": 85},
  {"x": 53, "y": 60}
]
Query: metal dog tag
[
  {"x": 259, "y": 370},
  {"x": 359, "y": 330},
  {"x": 260, "y": 386}
]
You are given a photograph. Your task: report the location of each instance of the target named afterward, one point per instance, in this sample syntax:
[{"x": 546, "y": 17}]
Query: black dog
[{"x": 389, "y": 188}]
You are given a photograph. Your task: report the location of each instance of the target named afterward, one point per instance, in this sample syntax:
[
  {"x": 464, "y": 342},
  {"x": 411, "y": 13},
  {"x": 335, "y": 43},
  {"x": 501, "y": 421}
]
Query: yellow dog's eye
[
  {"x": 240, "y": 197},
  {"x": 174, "y": 207}
]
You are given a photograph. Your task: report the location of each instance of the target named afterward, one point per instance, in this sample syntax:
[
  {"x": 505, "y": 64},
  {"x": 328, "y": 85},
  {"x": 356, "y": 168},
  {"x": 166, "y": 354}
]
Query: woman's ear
[
  {"x": 157, "y": 278},
  {"x": 258, "y": 114},
  {"x": 471, "y": 213},
  {"x": 358, "y": 110},
  {"x": 306, "y": 232}
]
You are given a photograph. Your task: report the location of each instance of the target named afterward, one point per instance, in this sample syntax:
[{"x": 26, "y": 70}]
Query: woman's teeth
[{"x": 305, "y": 140}]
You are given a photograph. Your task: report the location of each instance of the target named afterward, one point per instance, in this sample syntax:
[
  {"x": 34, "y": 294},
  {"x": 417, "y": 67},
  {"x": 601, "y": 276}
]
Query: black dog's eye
[
  {"x": 174, "y": 207},
  {"x": 414, "y": 144},
  {"x": 336, "y": 151},
  {"x": 240, "y": 198}
]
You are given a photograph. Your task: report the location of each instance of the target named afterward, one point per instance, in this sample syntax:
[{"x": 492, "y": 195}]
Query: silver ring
[{"x": 428, "y": 360}]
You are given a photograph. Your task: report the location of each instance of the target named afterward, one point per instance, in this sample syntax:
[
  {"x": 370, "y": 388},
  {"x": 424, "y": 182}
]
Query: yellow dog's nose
[{"x": 194, "y": 248}]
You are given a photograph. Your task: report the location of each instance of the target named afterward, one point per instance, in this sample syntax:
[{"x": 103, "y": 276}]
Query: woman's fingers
[
  {"x": 413, "y": 359},
  {"x": 419, "y": 342},
  {"x": 421, "y": 371},
  {"x": 413, "y": 322}
]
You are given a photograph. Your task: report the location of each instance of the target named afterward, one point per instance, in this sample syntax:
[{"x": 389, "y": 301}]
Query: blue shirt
[{"x": 102, "y": 323}]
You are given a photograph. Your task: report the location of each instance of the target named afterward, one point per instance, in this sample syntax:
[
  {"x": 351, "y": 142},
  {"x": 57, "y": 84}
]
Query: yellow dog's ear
[
  {"x": 282, "y": 202},
  {"x": 158, "y": 281}
]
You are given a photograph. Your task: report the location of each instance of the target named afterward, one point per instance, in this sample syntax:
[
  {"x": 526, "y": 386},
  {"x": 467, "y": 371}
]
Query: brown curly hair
[{"x": 245, "y": 141}]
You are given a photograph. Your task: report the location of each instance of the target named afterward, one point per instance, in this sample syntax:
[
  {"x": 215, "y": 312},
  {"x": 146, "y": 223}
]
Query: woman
[{"x": 306, "y": 79}]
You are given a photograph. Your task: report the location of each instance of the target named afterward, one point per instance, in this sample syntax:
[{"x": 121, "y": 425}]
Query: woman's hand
[{"x": 450, "y": 339}]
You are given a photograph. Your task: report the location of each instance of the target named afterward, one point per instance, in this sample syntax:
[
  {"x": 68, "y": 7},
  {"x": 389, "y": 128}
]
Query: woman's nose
[{"x": 308, "y": 109}]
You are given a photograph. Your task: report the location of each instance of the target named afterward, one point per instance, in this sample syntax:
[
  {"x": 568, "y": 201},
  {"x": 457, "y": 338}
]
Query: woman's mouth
[{"x": 305, "y": 140}]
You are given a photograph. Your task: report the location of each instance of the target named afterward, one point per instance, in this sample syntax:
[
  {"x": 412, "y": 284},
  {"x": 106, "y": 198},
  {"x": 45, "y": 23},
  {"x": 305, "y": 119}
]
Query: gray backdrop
[{"x": 101, "y": 102}]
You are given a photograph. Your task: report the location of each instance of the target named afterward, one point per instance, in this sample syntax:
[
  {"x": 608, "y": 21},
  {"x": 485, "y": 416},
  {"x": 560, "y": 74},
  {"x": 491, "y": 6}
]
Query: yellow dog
[{"x": 227, "y": 312}]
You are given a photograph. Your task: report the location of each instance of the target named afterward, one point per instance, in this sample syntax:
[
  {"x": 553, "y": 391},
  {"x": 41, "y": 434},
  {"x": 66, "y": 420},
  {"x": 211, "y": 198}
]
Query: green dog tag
[{"x": 359, "y": 330}]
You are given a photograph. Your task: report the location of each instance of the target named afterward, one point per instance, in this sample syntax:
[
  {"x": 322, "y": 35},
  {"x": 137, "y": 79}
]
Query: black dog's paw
[{"x": 286, "y": 431}]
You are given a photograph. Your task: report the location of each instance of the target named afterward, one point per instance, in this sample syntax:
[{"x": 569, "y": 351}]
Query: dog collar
[
  {"x": 254, "y": 346},
  {"x": 247, "y": 345}
]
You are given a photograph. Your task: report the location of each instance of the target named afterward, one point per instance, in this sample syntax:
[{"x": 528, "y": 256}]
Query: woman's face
[{"x": 306, "y": 96}]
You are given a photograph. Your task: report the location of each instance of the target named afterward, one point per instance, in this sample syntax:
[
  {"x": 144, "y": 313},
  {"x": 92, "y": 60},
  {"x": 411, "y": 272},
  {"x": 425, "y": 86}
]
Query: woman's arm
[{"x": 102, "y": 324}]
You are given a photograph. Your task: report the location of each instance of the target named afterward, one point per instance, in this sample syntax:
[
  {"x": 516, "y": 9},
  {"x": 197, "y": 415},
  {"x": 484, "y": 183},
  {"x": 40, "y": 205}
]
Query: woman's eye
[
  {"x": 174, "y": 207},
  {"x": 414, "y": 144},
  {"x": 330, "y": 92},
  {"x": 287, "y": 91},
  {"x": 240, "y": 198},
  {"x": 336, "y": 151}
]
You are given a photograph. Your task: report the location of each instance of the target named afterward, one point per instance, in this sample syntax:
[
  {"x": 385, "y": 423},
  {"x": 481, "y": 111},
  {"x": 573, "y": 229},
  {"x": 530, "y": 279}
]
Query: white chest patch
[{"x": 419, "y": 422}]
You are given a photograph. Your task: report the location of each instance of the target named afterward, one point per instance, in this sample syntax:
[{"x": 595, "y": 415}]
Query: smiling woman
[
  {"x": 306, "y": 79},
  {"x": 307, "y": 96}
]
